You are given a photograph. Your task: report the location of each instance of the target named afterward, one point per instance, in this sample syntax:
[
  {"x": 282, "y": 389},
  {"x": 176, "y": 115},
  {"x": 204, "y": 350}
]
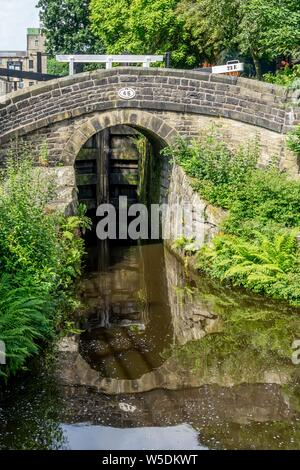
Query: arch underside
[{"x": 152, "y": 126}]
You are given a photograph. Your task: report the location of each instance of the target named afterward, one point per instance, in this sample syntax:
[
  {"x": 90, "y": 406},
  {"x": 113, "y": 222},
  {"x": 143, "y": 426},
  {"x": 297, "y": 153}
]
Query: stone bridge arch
[
  {"x": 151, "y": 125},
  {"x": 65, "y": 112}
]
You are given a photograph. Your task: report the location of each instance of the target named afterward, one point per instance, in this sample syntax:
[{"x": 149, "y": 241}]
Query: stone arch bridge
[{"x": 167, "y": 103}]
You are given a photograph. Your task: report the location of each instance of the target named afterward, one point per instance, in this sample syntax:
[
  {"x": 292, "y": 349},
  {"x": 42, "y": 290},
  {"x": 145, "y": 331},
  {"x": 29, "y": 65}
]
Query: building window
[
  {"x": 31, "y": 83},
  {"x": 14, "y": 65},
  {"x": 36, "y": 42},
  {"x": 31, "y": 64}
]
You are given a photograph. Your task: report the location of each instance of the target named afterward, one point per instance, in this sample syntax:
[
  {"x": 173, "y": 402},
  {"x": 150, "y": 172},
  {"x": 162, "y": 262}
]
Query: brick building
[{"x": 34, "y": 59}]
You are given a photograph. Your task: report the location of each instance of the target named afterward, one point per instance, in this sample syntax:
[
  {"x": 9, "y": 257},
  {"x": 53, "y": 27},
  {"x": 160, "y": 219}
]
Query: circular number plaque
[{"x": 126, "y": 93}]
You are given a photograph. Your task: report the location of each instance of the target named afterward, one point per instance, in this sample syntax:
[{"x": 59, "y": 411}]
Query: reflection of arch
[
  {"x": 75, "y": 371},
  {"x": 152, "y": 125}
]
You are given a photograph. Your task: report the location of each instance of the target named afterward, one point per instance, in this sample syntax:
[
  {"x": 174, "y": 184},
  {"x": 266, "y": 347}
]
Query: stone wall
[
  {"x": 168, "y": 103},
  {"x": 66, "y": 138},
  {"x": 182, "y": 91},
  {"x": 187, "y": 215}
]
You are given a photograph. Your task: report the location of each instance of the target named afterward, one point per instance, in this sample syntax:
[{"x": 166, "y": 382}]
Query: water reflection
[
  {"x": 86, "y": 437},
  {"x": 181, "y": 361},
  {"x": 166, "y": 328},
  {"x": 127, "y": 319},
  {"x": 254, "y": 416},
  {"x": 250, "y": 343}
]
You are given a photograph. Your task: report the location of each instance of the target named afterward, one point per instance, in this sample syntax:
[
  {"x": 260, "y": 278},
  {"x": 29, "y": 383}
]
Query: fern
[
  {"x": 25, "y": 320},
  {"x": 260, "y": 264},
  {"x": 40, "y": 256}
]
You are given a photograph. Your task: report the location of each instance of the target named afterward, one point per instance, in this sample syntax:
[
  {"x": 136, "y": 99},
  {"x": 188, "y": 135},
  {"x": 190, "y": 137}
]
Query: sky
[{"x": 15, "y": 17}]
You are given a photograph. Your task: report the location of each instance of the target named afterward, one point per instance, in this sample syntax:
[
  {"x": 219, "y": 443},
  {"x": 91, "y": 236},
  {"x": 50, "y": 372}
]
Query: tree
[
  {"x": 144, "y": 27},
  {"x": 67, "y": 27},
  {"x": 192, "y": 30},
  {"x": 211, "y": 25},
  {"x": 269, "y": 28},
  {"x": 264, "y": 29},
  {"x": 57, "y": 68}
]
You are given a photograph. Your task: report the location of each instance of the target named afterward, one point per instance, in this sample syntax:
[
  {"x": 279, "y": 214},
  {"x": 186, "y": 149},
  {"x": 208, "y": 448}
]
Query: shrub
[
  {"x": 40, "y": 256},
  {"x": 28, "y": 238},
  {"x": 294, "y": 141},
  {"x": 267, "y": 197},
  {"x": 257, "y": 248},
  {"x": 215, "y": 169},
  {"x": 286, "y": 76}
]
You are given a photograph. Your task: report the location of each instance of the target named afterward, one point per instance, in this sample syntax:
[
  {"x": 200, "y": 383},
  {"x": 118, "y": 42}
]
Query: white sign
[
  {"x": 126, "y": 93},
  {"x": 231, "y": 66}
]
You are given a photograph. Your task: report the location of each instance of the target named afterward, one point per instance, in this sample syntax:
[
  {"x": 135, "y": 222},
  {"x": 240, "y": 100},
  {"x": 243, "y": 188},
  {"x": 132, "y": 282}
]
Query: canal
[{"x": 164, "y": 359}]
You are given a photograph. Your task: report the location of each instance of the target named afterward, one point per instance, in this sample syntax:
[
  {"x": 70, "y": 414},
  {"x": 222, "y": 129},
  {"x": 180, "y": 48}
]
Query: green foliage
[
  {"x": 258, "y": 248},
  {"x": 232, "y": 180},
  {"x": 215, "y": 169},
  {"x": 25, "y": 321},
  {"x": 27, "y": 238},
  {"x": 40, "y": 256},
  {"x": 57, "y": 68},
  {"x": 294, "y": 141},
  {"x": 211, "y": 26},
  {"x": 269, "y": 29},
  {"x": 67, "y": 27},
  {"x": 72, "y": 245},
  {"x": 194, "y": 31},
  {"x": 70, "y": 328},
  {"x": 268, "y": 198},
  {"x": 186, "y": 245},
  {"x": 287, "y": 76},
  {"x": 265, "y": 265},
  {"x": 142, "y": 27}
]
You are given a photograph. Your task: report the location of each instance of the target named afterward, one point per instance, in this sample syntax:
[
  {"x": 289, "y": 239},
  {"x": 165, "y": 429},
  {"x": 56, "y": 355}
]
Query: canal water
[{"x": 165, "y": 360}]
